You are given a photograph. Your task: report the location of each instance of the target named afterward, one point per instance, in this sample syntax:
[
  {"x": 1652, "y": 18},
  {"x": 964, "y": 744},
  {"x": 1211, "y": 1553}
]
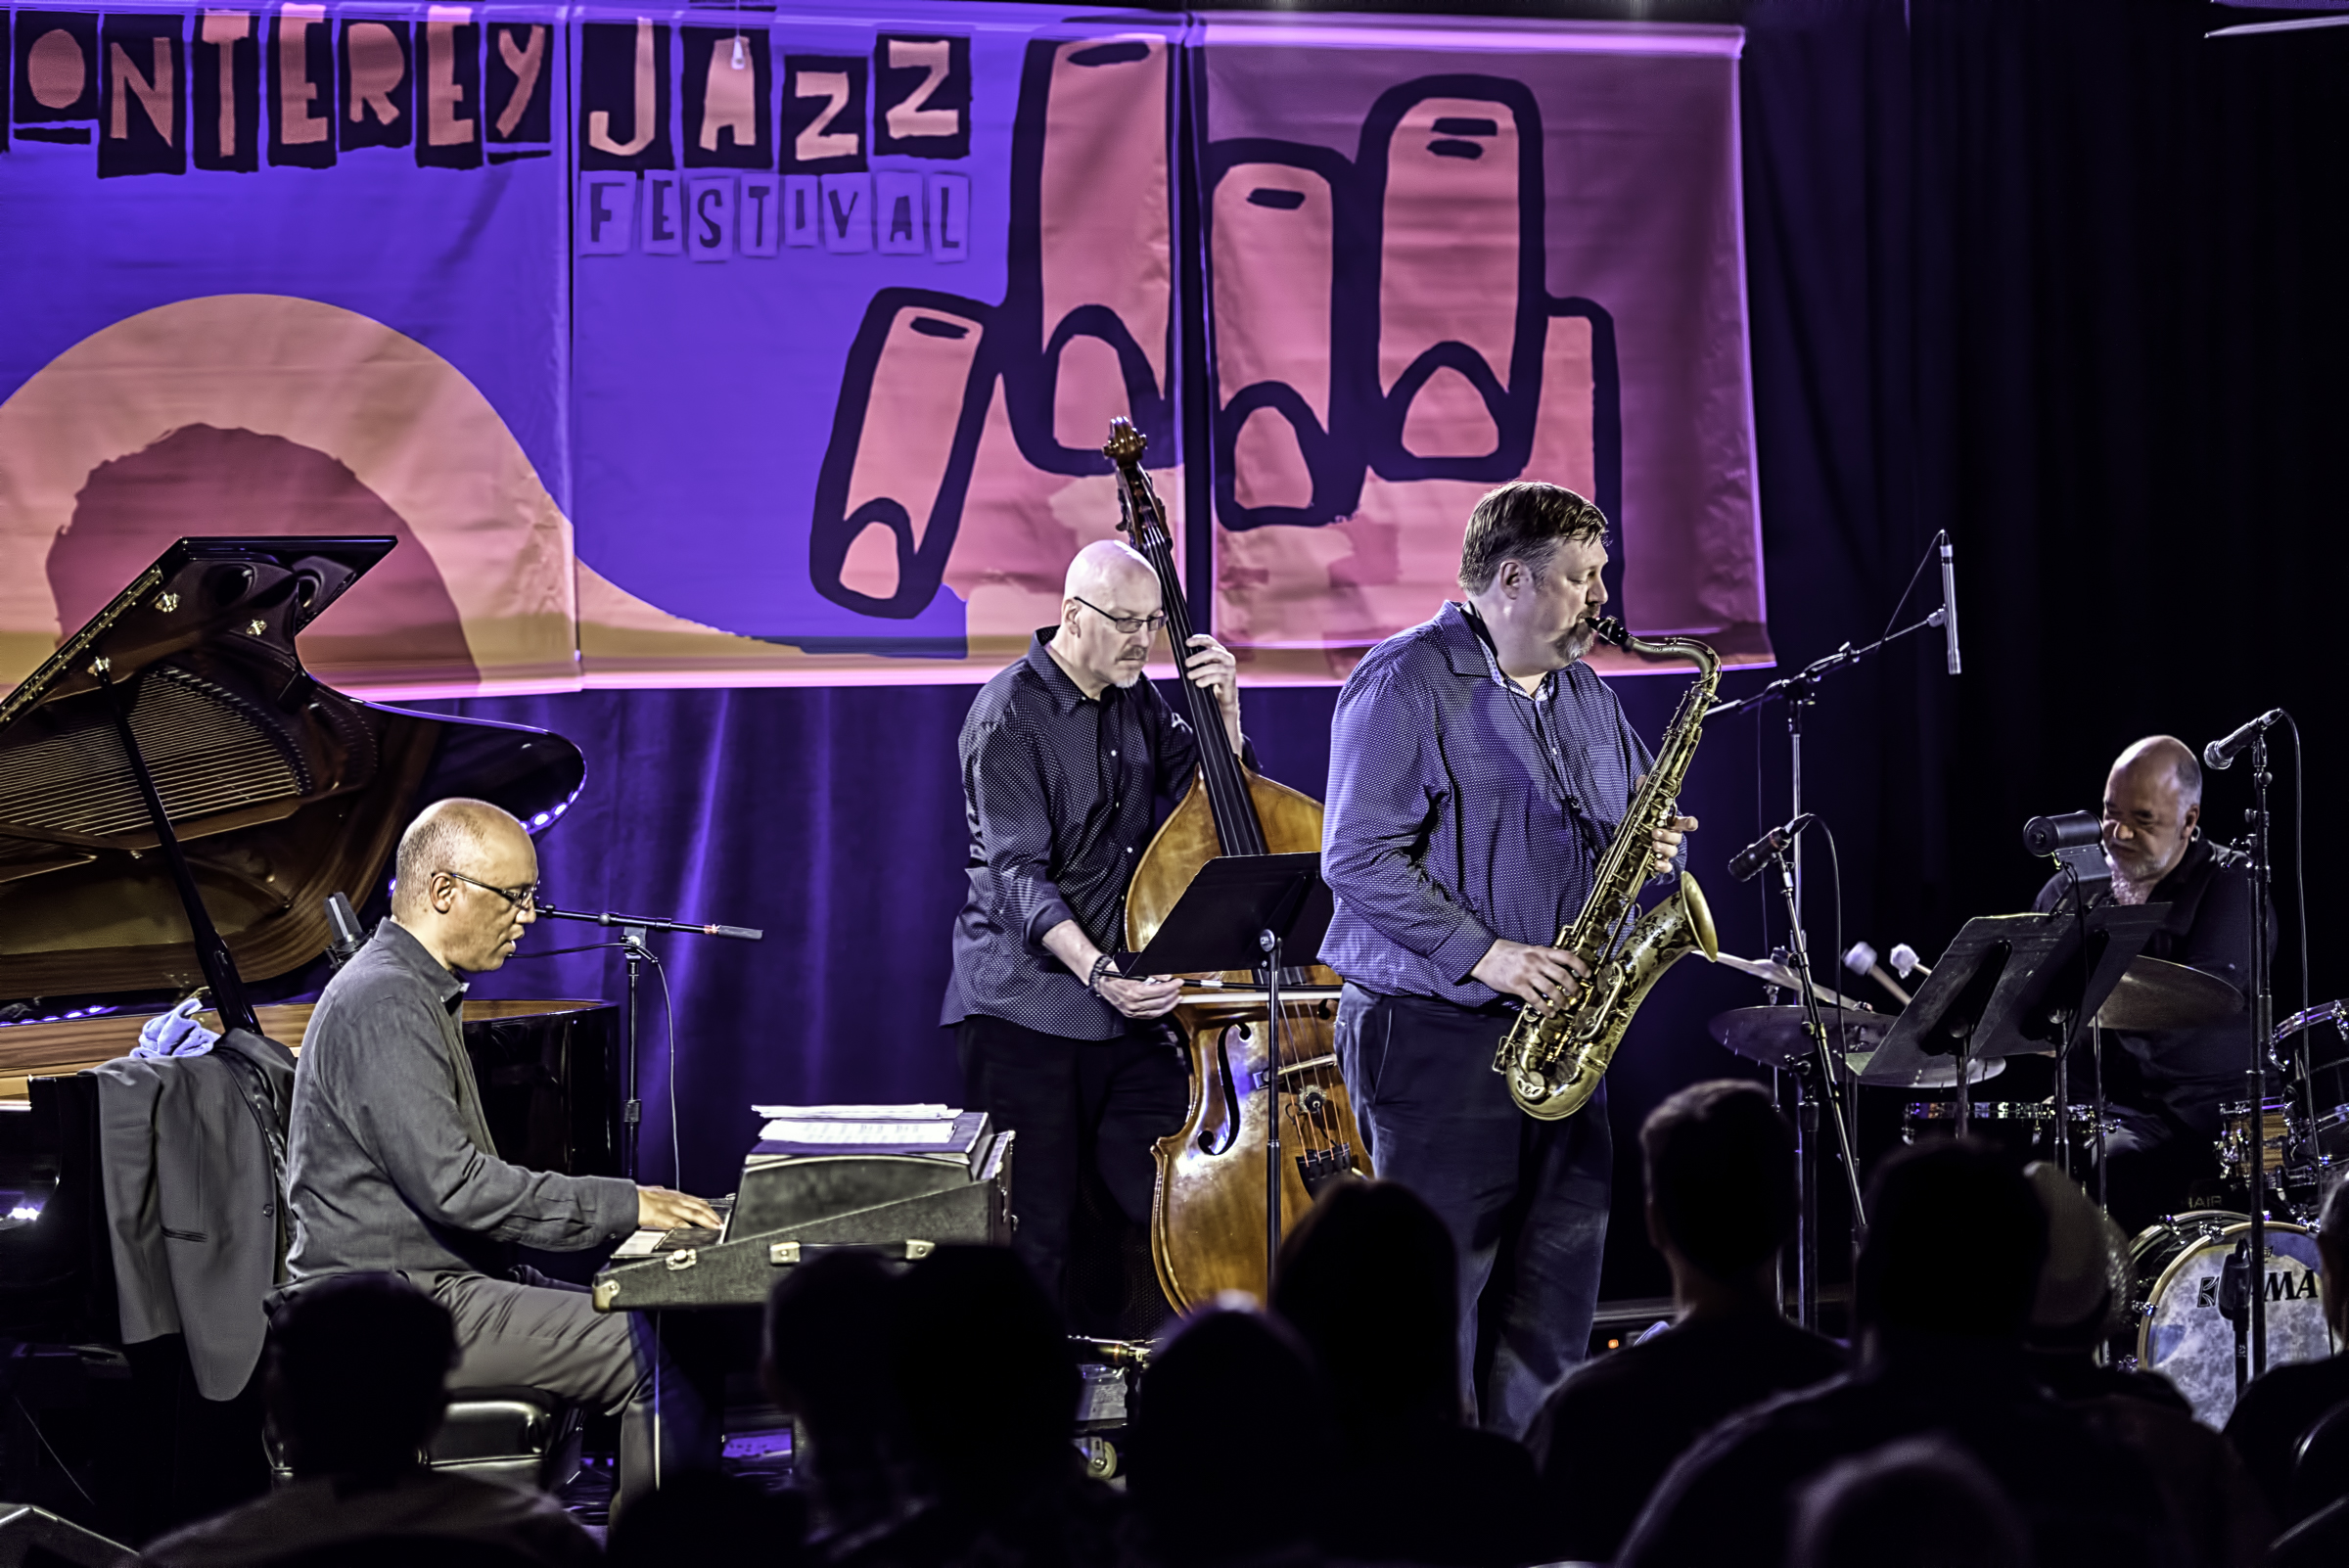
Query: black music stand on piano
[
  {"x": 2012, "y": 986},
  {"x": 1241, "y": 912}
]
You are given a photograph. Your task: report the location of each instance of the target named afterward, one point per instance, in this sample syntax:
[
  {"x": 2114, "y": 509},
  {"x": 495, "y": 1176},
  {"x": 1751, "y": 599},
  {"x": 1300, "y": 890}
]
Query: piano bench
[{"x": 522, "y": 1437}]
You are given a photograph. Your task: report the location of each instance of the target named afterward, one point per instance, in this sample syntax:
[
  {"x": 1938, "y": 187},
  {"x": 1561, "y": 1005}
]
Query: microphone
[
  {"x": 1948, "y": 603},
  {"x": 2074, "y": 841},
  {"x": 2073, "y": 830},
  {"x": 345, "y": 937},
  {"x": 2220, "y": 755},
  {"x": 1757, "y": 855}
]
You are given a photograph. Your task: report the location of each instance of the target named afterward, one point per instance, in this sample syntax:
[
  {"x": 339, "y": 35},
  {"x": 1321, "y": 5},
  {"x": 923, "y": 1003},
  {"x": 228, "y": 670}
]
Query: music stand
[
  {"x": 1239, "y": 912},
  {"x": 2012, "y": 986}
]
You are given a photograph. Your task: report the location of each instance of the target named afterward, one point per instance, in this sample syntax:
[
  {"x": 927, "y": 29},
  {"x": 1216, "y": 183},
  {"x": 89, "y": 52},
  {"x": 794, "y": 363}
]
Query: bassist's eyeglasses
[{"x": 1127, "y": 626}]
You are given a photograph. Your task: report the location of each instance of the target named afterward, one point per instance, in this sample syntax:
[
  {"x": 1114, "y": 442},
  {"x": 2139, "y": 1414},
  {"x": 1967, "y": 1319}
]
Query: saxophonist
[{"x": 1477, "y": 770}]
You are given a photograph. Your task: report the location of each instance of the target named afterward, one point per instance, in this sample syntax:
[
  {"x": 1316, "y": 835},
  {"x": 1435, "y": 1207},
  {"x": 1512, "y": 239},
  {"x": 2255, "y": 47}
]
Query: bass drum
[{"x": 2178, "y": 1265}]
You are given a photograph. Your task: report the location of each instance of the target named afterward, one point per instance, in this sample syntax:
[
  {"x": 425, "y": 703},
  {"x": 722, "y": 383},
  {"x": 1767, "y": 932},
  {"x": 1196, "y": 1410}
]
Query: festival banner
[
  {"x": 296, "y": 270},
  {"x": 687, "y": 346},
  {"x": 855, "y": 298},
  {"x": 1446, "y": 254}
]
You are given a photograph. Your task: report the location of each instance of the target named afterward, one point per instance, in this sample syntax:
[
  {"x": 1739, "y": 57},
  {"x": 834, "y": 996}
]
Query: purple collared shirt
[{"x": 1461, "y": 810}]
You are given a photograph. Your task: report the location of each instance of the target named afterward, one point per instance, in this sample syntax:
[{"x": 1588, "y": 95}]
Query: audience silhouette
[
  {"x": 1720, "y": 1203},
  {"x": 1944, "y": 1286},
  {"x": 2319, "y": 1472},
  {"x": 1368, "y": 1279},
  {"x": 829, "y": 1337},
  {"x": 2083, "y": 1292},
  {"x": 986, "y": 1386},
  {"x": 1921, "y": 1502},
  {"x": 1232, "y": 1445},
  {"x": 356, "y": 1384},
  {"x": 701, "y": 1519},
  {"x": 2279, "y": 1406},
  {"x": 935, "y": 1406}
]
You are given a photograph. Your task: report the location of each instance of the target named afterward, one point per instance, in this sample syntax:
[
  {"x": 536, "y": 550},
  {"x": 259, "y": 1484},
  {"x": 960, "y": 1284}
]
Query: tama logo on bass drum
[{"x": 2285, "y": 1285}]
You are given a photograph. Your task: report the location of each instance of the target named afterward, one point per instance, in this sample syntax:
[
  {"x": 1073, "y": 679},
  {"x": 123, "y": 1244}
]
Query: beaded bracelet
[{"x": 1093, "y": 981}]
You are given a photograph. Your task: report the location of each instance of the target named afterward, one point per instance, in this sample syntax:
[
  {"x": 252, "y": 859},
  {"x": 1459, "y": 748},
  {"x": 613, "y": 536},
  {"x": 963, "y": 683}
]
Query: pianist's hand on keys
[{"x": 660, "y": 1209}]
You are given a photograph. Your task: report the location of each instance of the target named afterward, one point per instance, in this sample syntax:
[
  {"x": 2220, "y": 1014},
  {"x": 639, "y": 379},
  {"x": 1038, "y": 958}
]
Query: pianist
[{"x": 393, "y": 1167}]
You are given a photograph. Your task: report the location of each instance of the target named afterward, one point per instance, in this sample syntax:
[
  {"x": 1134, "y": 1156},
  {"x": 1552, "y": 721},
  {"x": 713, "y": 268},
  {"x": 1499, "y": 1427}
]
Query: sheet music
[
  {"x": 858, "y": 1113},
  {"x": 845, "y": 1133}
]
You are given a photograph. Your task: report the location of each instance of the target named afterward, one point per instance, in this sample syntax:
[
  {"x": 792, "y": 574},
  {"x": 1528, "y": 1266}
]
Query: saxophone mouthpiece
[{"x": 1609, "y": 629}]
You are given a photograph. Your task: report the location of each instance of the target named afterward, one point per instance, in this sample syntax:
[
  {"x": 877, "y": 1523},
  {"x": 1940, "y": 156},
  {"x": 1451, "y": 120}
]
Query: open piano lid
[{"x": 279, "y": 790}]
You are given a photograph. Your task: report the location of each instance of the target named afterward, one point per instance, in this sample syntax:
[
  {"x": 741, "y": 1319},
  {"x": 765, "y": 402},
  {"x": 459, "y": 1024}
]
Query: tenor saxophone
[{"x": 1554, "y": 1060}]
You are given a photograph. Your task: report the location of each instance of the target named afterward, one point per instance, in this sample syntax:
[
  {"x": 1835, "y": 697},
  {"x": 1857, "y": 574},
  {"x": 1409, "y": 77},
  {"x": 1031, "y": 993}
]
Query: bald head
[
  {"x": 2156, "y": 754},
  {"x": 453, "y": 859},
  {"x": 2152, "y": 811},
  {"x": 1108, "y": 583},
  {"x": 1100, "y": 569}
]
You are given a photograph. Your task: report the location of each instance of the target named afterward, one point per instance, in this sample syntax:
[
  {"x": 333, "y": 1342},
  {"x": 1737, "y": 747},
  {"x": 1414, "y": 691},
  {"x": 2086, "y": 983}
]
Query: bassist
[{"x": 1064, "y": 756}]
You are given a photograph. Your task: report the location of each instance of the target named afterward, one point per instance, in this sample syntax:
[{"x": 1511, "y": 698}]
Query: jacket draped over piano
[{"x": 194, "y": 1164}]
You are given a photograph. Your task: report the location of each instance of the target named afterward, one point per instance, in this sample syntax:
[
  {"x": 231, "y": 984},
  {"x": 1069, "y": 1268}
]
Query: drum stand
[
  {"x": 1814, "y": 1087},
  {"x": 2095, "y": 1052}
]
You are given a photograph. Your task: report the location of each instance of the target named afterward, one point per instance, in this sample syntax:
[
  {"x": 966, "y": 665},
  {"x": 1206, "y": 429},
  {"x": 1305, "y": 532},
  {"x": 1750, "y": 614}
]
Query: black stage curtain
[{"x": 2064, "y": 279}]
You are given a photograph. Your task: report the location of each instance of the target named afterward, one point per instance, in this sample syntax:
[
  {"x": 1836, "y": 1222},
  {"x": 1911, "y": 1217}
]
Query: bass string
[
  {"x": 1227, "y": 791},
  {"x": 1228, "y": 802},
  {"x": 1315, "y": 1127}
]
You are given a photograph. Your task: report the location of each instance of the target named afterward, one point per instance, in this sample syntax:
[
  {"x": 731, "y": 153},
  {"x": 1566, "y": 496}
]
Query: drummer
[{"x": 2163, "y": 1087}]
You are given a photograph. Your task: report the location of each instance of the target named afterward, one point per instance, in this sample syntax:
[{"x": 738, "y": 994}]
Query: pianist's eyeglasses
[
  {"x": 1127, "y": 626},
  {"x": 521, "y": 897}
]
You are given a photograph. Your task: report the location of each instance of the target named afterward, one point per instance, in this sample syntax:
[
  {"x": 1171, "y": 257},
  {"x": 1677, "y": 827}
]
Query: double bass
[{"x": 1207, "y": 1214}]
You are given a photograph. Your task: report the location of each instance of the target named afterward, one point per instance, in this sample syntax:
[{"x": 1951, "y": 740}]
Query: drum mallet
[
  {"x": 1862, "y": 960},
  {"x": 1906, "y": 960}
]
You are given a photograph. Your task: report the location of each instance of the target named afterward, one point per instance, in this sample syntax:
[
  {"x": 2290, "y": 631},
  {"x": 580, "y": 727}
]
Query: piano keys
[{"x": 794, "y": 1202}]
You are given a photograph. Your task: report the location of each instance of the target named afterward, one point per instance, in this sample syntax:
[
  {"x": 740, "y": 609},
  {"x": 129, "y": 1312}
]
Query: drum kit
[{"x": 2187, "y": 1303}]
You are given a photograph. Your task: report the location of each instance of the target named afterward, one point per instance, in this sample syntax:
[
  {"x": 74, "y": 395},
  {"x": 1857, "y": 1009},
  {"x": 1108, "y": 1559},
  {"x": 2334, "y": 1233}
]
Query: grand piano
[{"x": 179, "y": 798}]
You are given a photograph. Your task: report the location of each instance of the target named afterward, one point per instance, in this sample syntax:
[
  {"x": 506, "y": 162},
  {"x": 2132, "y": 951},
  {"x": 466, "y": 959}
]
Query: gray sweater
[{"x": 391, "y": 1159}]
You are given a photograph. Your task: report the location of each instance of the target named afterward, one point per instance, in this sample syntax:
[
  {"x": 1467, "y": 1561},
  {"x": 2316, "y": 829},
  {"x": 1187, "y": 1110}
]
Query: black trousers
[
  {"x": 546, "y": 1334},
  {"x": 1082, "y": 1108},
  {"x": 2157, "y": 1164},
  {"x": 1525, "y": 1200}
]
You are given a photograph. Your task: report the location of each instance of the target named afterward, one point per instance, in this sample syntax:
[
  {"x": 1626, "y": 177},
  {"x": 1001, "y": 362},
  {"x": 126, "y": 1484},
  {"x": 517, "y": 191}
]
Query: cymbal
[
  {"x": 1778, "y": 975},
  {"x": 2154, "y": 994},
  {"x": 1776, "y": 1036},
  {"x": 1935, "y": 1072}
]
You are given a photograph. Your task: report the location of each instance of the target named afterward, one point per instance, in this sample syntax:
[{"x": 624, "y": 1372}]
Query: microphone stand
[
  {"x": 1799, "y": 691},
  {"x": 633, "y": 929},
  {"x": 2255, "y": 1072},
  {"x": 1821, "y": 1065}
]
